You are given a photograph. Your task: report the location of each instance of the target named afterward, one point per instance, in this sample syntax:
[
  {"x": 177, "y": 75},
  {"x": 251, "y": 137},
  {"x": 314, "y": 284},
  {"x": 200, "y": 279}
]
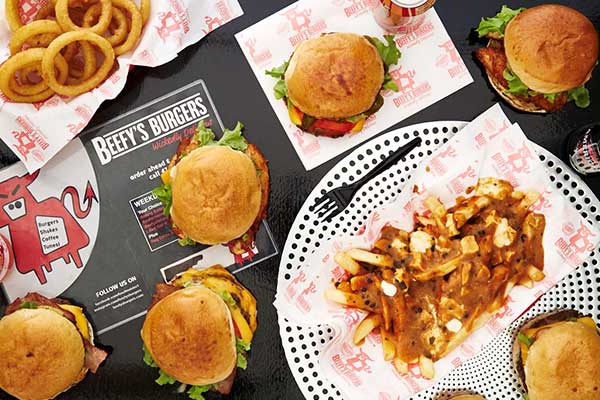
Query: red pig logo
[{"x": 43, "y": 231}]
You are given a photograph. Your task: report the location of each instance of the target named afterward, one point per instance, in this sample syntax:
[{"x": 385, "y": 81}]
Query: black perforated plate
[{"x": 490, "y": 372}]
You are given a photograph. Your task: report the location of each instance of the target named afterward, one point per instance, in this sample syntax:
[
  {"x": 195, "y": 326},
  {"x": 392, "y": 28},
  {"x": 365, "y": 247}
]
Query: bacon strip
[
  {"x": 40, "y": 301},
  {"x": 162, "y": 290},
  {"x": 93, "y": 356}
]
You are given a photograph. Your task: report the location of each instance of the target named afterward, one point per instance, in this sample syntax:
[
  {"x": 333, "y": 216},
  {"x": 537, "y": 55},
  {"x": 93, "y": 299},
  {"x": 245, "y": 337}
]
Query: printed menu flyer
[{"x": 87, "y": 226}]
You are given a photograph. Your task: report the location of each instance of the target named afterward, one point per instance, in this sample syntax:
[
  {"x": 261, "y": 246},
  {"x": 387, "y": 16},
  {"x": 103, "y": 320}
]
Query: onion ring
[
  {"x": 136, "y": 26},
  {"x": 13, "y": 15},
  {"x": 118, "y": 18},
  {"x": 31, "y": 30},
  {"x": 65, "y": 22},
  {"x": 62, "y": 41},
  {"x": 23, "y": 86},
  {"x": 89, "y": 65},
  {"x": 27, "y": 58},
  {"x": 145, "y": 10}
]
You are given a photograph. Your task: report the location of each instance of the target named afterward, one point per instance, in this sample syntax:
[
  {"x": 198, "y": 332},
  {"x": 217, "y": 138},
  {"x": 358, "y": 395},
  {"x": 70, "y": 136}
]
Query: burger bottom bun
[
  {"x": 190, "y": 336},
  {"x": 41, "y": 354}
]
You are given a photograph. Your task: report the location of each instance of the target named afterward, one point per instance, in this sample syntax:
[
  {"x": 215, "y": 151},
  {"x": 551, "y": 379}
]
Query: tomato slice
[
  {"x": 6, "y": 256},
  {"x": 236, "y": 330},
  {"x": 327, "y": 127}
]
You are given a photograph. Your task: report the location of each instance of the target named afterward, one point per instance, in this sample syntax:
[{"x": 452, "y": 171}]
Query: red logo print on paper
[
  {"x": 292, "y": 288},
  {"x": 543, "y": 202},
  {"x": 408, "y": 88},
  {"x": 517, "y": 162},
  {"x": 387, "y": 396},
  {"x": 213, "y": 23},
  {"x": 460, "y": 183},
  {"x": 357, "y": 360},
  {"x": 438, "y": 165},
  {"x": 173, "y": 23},
  {"x": 29, "y": 140},
  {"x": 577, "y": 245},
  {"x": 309, "y": 144},
  {"x": 417, "y": 30},
  {"x": 450, "y": 60},
  {"x": 301, "y": 301},
  {"x": 491, "y": 130},
  {"x": 353, "y": 8},
  {"x": 43, "y": 231},
  {"x": 467, "y": 350},
  {"x": 29, "y": 8},
  {"x": 258, "y": 56},
  {"x": 301, "y": 22},
  {"x": 494, "y": 325}
]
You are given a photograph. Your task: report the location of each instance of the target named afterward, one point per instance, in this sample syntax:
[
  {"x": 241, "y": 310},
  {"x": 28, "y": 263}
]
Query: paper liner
[{"x": 489, "y": 146}]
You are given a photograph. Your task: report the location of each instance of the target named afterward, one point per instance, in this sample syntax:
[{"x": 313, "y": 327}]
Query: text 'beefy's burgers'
[
  {"x": 198, "y": 330},
  {"x": 332, "y": 83},
  {"x": 556, "y": 357},
  {"x": 46, "y": 346},
  {"x": 216, "y": 191},
  {"x": 540, "y": 58}
]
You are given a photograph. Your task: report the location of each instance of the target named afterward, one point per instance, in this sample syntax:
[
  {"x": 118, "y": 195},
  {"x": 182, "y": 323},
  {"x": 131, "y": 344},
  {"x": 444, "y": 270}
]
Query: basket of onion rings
[{"x": 69, "y": 48}]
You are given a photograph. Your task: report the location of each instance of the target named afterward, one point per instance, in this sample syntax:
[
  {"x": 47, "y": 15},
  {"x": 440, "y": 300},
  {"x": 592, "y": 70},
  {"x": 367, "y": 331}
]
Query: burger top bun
[
  {"x": 551, "y": 48},
  {"x": 216, "y": 194},
  {"x": 563, "y": 363},
  {"x": 190, "y": 336},
  {"x": 41, "y": 354},
  {"x": 334, "y": 76}
]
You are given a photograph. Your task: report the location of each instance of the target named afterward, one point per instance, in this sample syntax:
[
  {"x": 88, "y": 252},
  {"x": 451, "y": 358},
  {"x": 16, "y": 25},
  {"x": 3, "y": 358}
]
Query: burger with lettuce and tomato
[
  {"x": 539, "y": 59},
  {"x": 332, "y": 84},
  {"x": 198, "y": 331}
]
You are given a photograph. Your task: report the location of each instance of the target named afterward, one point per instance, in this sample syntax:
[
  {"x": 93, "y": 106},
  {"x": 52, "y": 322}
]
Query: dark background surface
[{"x": 219, "y": 61}]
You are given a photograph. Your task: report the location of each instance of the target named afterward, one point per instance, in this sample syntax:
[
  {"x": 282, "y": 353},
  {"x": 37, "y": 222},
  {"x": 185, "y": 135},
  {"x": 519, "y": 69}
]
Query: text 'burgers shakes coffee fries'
[
  {"x": 540, "y": 58},
  {"x": 556, "y": 356},
  {"x": 216, "y": 191},
  {"x": 428, "y": 289},
  {"x": 46, "y": 346},
  {"x": 332, "y": 83},
  {"x": 198, "y": 331}
]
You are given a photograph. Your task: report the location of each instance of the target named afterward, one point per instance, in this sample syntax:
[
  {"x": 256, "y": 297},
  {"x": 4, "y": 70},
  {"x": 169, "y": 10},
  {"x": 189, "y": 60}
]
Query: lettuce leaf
[
  {"x": 196, "y": 392},
  {"x": 31, "y": 305},
  {"x": 551, "y": 97},
  {"x": 498, "y": 23},
  {"x": 279, "y": 89},
  {"x": 228, "y": 299},
  {"x": 357, "y": 118},
  {"x": 242, "y": 347},
  {"x": 164, "y": 378},
  {"x": 389, "y": 53},
  {"x": 204, "y": 134},
  {"x": 164, "y": 194},
  {"x": 524, "y": 339},
  {"x": 186, "y": 242},
  {"x": 581, "y": 96},
  {"x": 233, "y": 138},
  {"x": 148, "y": 358},
  {"x": 388, "y": 83},
  {"x": 515, "y": 85}
]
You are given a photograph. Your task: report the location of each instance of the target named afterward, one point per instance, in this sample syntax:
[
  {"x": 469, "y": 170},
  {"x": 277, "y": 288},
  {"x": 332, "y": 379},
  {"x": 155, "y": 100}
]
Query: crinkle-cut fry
[
  {"x": 439, "y": 270},
  {"x": 379, "y": 260},
  {"x": 435, "y": 206},
  {"x": 365, "y": 327},
  {"x": 426, "y": 367},
  {"x": 400, "y": 366},
  {"x": 387, "y": 343},
  {"x": 535, "y": 273},
  {"x": 347, "y": 299},
  {"x": 347, "y": 262}
]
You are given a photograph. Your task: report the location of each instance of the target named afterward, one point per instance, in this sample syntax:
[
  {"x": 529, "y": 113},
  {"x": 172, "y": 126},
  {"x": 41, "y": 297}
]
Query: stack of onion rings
[{"x": 69, "y": 48}]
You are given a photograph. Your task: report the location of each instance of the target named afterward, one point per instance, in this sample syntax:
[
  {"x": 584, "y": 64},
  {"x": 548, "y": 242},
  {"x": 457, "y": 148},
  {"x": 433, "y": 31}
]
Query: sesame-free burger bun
[
  {"x": 190, "y": 336},
  {"x": 563, "y": 363},
  {"x": 551, "y": 48},
  {"x": 216, "y": 194},
  {"x": 41, "y": 354},
  {"x": 335, "y": 76}
]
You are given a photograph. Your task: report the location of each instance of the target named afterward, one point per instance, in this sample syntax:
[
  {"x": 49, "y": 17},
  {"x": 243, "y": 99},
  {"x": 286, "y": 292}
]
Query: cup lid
[{"x": 409, "y": 3}]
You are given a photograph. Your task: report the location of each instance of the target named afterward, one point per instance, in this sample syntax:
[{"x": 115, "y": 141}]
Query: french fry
[
  {"x": 400, "y": 366},
  {"x": 439, "y": 270},
  {"x": 379, "y": 260},
  {"x": 426, "y": 367},
  {"x": 346, "y": 262},
  {"x": 535, "y": 274},
  {"x": 389, "y": 349},
  {"x": 347, "y": 299},
  {"x": 365, "y": 327},
  {"x": 386, "y": 312},
  {"x": 435, "y": 206}
]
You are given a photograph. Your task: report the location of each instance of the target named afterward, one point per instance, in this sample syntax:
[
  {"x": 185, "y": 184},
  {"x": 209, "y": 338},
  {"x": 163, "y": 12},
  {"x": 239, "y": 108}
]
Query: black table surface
[{"x": 219, "y": 61}]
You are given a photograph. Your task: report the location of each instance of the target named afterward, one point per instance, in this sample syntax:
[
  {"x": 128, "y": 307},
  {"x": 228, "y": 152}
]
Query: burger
[
  {"x": 332, "y": 83},
  {"x": 198, "y": 330},
  {"x": 216, "y": 191},
  {"x": 556, "y": 357},
  {"x": 539, "y": 59},
  {"x": 46, "y": 346}
]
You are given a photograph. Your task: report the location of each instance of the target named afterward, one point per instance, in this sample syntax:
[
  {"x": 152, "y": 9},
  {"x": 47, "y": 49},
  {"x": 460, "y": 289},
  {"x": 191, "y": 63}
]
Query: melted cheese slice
[
  {"x": 80, "y": 320},
  {"x": 531, "y": 333}
]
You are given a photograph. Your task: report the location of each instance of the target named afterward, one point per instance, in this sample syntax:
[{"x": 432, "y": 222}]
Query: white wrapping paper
[
  {"x": 36, "y": 132},
  {"x": 430, "y": 68},
  {"x": 489, "y": 146}
]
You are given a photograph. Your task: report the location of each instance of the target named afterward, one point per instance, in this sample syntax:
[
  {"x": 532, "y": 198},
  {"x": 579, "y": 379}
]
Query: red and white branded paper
[
  {"x": 36, "y": 132},
  {"x": 488, "y": 147},
  {"x": 429, "y": 70}
]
